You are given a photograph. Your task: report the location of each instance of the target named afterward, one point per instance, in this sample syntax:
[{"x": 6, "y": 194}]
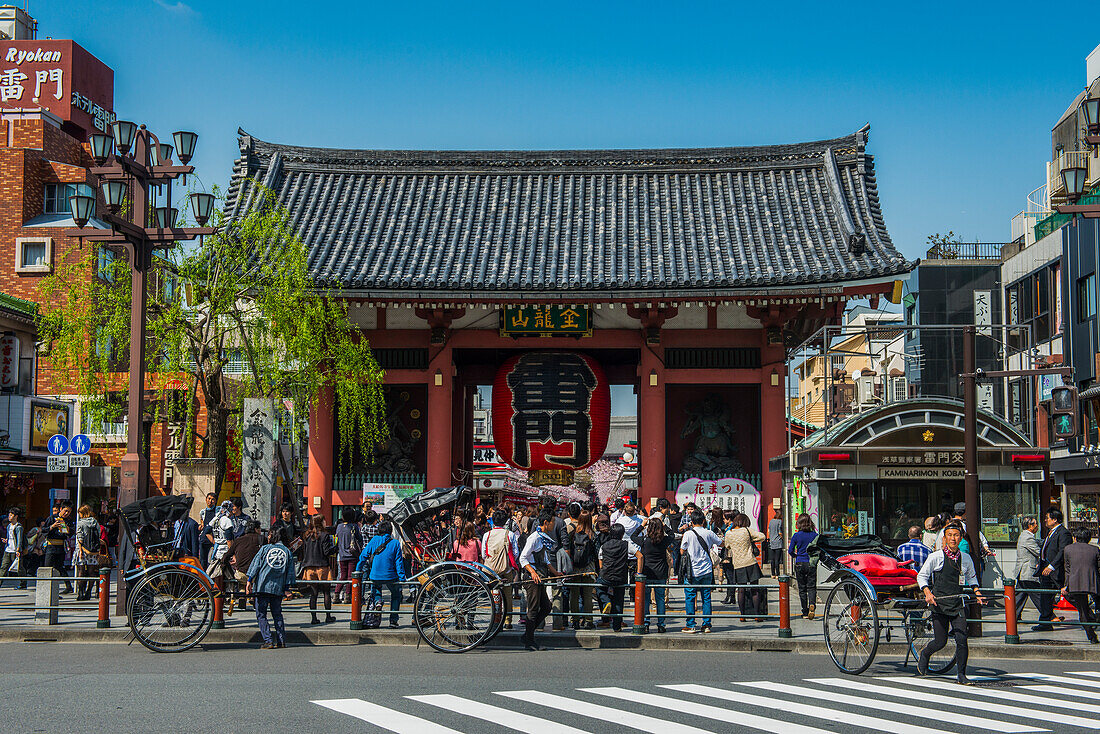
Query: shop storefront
[{"x": 885, "y": 470}]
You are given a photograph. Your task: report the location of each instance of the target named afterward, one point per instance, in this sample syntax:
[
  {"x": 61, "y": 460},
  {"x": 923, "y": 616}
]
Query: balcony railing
[{"x": 966, "y": 251}]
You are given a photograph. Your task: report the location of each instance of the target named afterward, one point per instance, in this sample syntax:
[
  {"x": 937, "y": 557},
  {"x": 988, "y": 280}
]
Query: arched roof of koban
[{"x": 705, "y": 220}]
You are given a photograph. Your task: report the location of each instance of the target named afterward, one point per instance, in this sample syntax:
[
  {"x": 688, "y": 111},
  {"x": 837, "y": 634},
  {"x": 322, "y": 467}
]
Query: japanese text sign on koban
[{"x": 258, "y": 460}]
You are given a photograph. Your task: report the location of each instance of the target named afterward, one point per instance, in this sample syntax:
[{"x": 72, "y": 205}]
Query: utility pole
[{"x": 970, "y": 461}]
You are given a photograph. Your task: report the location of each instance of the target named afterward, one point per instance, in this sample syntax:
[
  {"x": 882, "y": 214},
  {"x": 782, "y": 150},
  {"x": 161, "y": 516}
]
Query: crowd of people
[{"x": 75, "y": 542}]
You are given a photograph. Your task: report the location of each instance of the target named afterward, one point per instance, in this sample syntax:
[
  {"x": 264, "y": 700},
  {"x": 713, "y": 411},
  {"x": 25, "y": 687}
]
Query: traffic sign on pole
[
  {"x": 80, "y": 444},
  {"x": 57, "y": 464},
  {"x": 80, "y": 461},
  {"x": 58, "y": 444}
]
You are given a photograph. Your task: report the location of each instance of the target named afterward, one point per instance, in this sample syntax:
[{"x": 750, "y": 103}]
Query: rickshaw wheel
[
  {"x": 455, "y": 611},
  {"x": 918, "y": 633},
  {"x": 170, "y": 609},
  {"x": 851, "y": 627}
]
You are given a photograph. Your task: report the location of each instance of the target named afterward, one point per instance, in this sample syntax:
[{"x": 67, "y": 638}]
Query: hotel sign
[
  {"x": 58, "y": 76},
  {"x": 545, "y": 321}
]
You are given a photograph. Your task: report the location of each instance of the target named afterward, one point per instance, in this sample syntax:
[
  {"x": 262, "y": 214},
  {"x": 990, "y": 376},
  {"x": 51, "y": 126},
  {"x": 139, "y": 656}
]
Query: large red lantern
[{"x": 551, "y": 414}]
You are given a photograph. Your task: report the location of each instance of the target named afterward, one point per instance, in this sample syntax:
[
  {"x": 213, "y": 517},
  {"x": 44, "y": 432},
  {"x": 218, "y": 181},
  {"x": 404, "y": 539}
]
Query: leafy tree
[{"x": 243, "y": 294}]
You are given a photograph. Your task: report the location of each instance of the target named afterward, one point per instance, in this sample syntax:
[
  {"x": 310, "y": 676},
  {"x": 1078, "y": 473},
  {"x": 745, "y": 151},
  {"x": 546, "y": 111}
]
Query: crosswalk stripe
[
  {"x": 710, "y": 712},
  {"x": 944, "y": 685},
  {"x": 502, "y": 717},
  {"x": 1090, "y": 673},
  {"x": 604, "y": 713},
  {"x": 815, "y": 712},
  {"x": 949, "y": 717},
  {"x": 1063, "y": 691},
  {"x": 993, "y": 708},
  {"x": 383, "y": 717},
  {"x": 1057, "y": 679}
]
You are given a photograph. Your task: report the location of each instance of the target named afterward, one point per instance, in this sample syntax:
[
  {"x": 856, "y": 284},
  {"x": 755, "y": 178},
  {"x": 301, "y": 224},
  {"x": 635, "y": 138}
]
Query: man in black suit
[
  {"x": 1052, "y": 568},
  {"x": 205, "y": 518}
]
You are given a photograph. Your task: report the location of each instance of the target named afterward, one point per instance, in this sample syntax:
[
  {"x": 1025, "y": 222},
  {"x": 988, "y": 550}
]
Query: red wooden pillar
[
  {"x": 322, "y": 452},
  {"x": 440, "y": 406},
  {"x": 651, "y": 427},
  {"x": 773, "y": 423}
]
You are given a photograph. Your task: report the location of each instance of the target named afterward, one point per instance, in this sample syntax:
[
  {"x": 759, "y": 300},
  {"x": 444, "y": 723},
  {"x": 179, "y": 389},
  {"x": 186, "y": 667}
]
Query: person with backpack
[
  {"x": 654, "y": 542},
  {"x": 86, "y": 549},
  {"x": 349, "y": 544},
  {"x": 317, "y": 548},
  {"x": 498, "y": 548},
  {"x": 614, "y": 572},
  {"x": 697, "y": 569},
  {"x": 270, "y": 575},
  {"x": 740, "y": 543},
  {"x": 584, "y": 561},
  {"x": 536, "y": 561},
  {"x": 382, "y": 560}
]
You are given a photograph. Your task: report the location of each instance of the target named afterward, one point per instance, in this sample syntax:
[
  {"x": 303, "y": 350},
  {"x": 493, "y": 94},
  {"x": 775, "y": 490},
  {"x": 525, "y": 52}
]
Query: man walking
[
  {"x": 699, "y": 570},
  {"x": 535, "y": 560},
  {"x": 943, "y": 579},
  {"x": 1052, "y": 572},
  {"x": 1082, "y": 563},
  {"x": 269, "y": 577},
  {"x": 58, "y": 532},
  {"x": 1028, "y": 555}
]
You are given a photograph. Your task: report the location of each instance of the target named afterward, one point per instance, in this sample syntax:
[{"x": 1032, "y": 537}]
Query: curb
[{"x": 979, "y": 649}]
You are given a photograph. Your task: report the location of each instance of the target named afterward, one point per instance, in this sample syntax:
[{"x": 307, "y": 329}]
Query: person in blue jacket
[
  {"x": 269, "y": 577},
  {"x": 381, "y": 559}
]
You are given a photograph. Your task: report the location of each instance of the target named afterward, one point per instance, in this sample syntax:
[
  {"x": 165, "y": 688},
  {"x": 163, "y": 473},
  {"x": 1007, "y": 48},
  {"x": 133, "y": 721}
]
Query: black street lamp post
[{"x": 139, "y": 161}]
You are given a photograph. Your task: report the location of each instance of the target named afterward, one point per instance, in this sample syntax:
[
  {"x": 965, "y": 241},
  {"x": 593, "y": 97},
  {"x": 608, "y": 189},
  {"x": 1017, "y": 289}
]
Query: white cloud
[{"x": 179, "y": 7}]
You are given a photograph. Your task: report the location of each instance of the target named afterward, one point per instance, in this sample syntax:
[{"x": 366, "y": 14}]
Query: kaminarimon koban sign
[{"x": 551, "y": 414}]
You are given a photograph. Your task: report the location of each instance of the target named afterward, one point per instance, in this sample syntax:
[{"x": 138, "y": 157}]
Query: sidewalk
[{"x": 77, "y": 623}]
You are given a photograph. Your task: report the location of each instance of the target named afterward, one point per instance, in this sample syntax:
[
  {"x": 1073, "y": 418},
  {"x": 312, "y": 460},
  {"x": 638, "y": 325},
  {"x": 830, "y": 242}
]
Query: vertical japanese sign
[
  {"x": 258, "y": 460},
  {"x": 983, "y": 310},
  {"x": 9, "y": 361}
]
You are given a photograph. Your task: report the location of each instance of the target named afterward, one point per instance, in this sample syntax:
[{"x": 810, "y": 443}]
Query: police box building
[{"x": 553, "y": 275}]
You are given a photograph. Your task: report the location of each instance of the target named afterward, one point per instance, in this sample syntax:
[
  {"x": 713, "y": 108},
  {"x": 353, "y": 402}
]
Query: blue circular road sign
[
  {"x": 80, "y": 444},
  {"x": 58, "y": 444}
]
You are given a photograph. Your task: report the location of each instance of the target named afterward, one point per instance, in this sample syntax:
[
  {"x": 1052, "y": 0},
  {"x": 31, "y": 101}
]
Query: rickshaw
[
  {"x": 869, "y": 579},
  {"x": 459, "y": 605},
  {"x": 170, "y": 599}
]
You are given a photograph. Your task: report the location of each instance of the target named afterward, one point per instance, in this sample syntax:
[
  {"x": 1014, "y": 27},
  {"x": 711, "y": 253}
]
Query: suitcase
[{"x": 374, "y": 614}]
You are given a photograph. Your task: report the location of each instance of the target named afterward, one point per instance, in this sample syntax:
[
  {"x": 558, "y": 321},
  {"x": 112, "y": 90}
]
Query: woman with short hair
[
  {"x": 654, "y": 543},
  {"x": 805, "y": 572},
  {"x": 740, "y": 543},
  {"x": 317, "y": 548}
]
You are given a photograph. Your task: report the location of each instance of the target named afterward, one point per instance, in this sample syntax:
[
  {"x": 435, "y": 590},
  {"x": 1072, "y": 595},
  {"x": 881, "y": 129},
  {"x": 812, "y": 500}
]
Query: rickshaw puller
[{"x": 943, "y": 578}]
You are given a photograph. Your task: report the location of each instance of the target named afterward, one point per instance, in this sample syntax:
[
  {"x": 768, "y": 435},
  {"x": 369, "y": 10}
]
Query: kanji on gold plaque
[{"x": 545, "y": 321}]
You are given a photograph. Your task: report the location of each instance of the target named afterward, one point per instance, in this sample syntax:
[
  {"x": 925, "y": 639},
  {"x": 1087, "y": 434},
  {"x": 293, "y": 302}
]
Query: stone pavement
[{"x": 77, "y": 622}]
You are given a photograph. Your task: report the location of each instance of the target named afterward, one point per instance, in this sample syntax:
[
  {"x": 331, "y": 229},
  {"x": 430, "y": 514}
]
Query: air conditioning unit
[
  {"x": 1032, "y": 475},
  {"x": 823, "y": 475}
]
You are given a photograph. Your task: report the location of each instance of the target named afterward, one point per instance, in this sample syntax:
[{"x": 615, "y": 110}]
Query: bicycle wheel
[
  {"x": 454, "y": 611},
  {"x": 918, "y": 633},
  {"x": 170, "y": 610},
  {"x": 851, "y": 627}
]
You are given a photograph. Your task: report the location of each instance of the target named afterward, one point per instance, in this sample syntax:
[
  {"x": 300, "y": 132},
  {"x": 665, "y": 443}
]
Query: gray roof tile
[{"x": 512, "y": 222}]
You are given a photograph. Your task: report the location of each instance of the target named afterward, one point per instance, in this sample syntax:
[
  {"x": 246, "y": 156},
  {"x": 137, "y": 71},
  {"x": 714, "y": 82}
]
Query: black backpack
[{"x": 583, "y": 549}]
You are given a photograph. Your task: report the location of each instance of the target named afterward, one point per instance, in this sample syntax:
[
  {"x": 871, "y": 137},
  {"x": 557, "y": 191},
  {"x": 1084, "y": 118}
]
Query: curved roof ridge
[{"x": 852, "y": 144}]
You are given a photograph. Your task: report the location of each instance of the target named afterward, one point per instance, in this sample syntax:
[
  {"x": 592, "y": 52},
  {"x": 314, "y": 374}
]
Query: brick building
[{"x": 53, "y": 94}]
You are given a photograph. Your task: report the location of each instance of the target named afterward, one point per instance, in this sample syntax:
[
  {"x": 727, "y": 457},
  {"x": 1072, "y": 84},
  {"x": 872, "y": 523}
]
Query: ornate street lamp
[
  {"x": 203, "y": 206},
  {"x": 1073, "y": 179},
  {"x": 139, "y": 165}
]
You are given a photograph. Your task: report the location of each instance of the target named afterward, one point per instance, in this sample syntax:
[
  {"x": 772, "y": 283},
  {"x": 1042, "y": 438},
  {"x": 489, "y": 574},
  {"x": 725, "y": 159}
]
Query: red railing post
[
  {"x": 219, "y": 604},
  {"x": 1012, "y": 636},
  {"x": 356, "y": 601},
  {"x": 639, "y": 604},
  {"x": 785, "y": 606},
  {"x": 104, "y": 597}
]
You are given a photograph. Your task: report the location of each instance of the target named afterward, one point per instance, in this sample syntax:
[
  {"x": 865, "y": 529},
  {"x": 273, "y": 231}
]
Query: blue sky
[{"x": 960, "y": 97}]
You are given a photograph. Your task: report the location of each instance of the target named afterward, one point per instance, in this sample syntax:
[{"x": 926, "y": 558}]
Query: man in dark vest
[{"x": 945, "y": 578}]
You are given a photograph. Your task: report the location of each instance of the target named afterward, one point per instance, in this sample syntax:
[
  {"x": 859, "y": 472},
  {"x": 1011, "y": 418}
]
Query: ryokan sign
[{"x": 58, "y": 76}]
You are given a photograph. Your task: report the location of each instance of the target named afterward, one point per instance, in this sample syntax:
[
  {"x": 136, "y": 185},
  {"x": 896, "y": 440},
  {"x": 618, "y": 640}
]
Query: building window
[
  {"x": 105, "y": 267},
  {"x": 1086, "y": 297},
  {"x": 838, "y": 361},
  {"x": 33, "y": 254},
  {"x": 57, "y": 198}
]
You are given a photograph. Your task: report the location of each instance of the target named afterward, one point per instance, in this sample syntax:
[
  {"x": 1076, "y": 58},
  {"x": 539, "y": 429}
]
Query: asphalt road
[{"x": 51, "y": 687}]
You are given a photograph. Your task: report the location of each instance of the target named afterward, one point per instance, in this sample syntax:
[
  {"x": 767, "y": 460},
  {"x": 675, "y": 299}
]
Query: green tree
[{"x": 243, "y": 294}]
